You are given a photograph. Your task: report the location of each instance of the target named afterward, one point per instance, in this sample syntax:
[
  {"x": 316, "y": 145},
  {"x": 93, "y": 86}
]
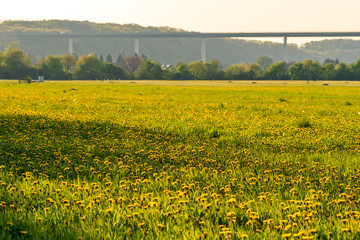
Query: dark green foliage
[
  {"x": 52, "y": 68},
  {"x": 109, "y": 58},
  {"x": 182, "y": 72},
  {"x": 88, "y": 68},
  {"x": 303, "y": 123},
  {"x": 149, "y": 69},
  {"x": 236, "y": 72},
  {"x": 16, "y": 64},
  {"x": 328, "y": 71},
  {"x": 264, "y": 62},
  {"x": 306, "y": 70},
  {"x": 328, "y": 60},
  {"x": 113, "y": 72},
  {"x": 277, "y": 71},
  {"x": 341, "y": 72},
  {"x": 206, "y": 71},
  {"x": 118, "y": 60},
  {"x": 101, "y": 58}
]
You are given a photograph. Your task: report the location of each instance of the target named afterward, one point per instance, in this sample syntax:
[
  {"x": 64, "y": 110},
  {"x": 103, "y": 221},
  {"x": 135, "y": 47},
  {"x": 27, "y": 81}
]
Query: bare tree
[
  {"x": 68, "y": 61},
  {"x": 131, "y": 64}
]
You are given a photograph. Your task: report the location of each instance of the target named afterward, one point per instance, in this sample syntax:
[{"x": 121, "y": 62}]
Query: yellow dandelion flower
[
  {"x": 207, "y": 206},
  {"x": 161, "y": 225},
  {"x": 286, "y": 235},
  {"x": 230, "y": 214},
  {"x": 109, "y": 210},
  {"x": 287, "y": 227},
  {"x": 307, "y": 237},
  {"x": 231, "y": 200}
]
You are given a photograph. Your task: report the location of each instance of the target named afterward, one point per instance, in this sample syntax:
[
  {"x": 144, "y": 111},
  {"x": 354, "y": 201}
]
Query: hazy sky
[{"x": 198, "y": 15}]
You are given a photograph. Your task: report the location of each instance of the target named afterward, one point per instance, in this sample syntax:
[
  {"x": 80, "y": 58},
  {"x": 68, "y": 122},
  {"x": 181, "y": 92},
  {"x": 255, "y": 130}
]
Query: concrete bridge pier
[
  {"x": 71, "y": 46},
  {"x": 137, "y": 47},
  {"x": 203, "y": 50},
  {"x": 285, "y": 49}
]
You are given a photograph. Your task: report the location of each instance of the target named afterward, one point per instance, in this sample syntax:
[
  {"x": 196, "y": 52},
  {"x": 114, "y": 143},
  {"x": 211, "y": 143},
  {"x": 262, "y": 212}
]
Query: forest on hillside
[{"x": 167, "y": 51}]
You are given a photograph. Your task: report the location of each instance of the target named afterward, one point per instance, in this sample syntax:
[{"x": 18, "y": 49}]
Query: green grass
[{"x": 99, "y": 160}]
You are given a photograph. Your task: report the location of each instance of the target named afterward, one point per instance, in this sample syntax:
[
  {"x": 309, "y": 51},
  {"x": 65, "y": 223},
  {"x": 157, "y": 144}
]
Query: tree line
[{"x": 16, "y": 64}]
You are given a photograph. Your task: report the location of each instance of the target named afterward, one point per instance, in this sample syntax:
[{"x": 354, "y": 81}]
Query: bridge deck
[{"x": 186, "y": 35}]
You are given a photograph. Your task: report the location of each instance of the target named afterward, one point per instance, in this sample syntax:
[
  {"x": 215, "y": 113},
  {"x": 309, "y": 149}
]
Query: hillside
[{"x": 169, "y": 51}]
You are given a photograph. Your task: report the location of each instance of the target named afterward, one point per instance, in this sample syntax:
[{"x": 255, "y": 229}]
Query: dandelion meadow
[{"x": 87, "y": 160}]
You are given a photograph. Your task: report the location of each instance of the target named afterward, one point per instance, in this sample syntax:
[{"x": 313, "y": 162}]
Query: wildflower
[
  {"x": 161, "y": 225},
  {"x": 286, "y": 235},
  {"x": 307, "y": 237},
  {"x": 109, "y": 210},
  {"x": 231, "y": 200}
]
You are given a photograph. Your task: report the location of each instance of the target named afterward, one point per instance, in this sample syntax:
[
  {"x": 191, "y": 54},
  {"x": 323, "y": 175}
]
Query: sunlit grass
[{"x": 100, "y": 160}]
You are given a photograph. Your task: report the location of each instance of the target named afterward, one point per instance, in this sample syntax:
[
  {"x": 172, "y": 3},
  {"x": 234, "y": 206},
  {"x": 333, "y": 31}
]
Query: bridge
[{"x": 202, "y": 36}]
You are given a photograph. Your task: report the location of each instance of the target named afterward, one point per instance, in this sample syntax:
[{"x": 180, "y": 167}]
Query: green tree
[
  {"x": 101, "y": 58},
  {"x": 236, "y": 72},
  {"x": 306, "y": 70},
  {"x": 341, "y": 71},
  {"x": 253, "y": 71},
  {"x": 118, "y": 60},
  {"x": 69, "y": 62},
  {"x": 88, "y": 68},
  {"x": 264, "y": 62},
  {"x": 113, "y": 72},
  {"x": 17, "y": 64},
  {"x": 149, "y": 69},
  {"x": 12, "y": 46},
  {"x": 354, "y": 70},
  {"x": 52, "y": 68},
  {"x": 212, "y": 70},
  {"x": 296, "y": 71},
  {"x": 1, "y": 65},
  {"x": 312, "y": 70},
  {"x": 328, "y": 71},
  {"x": 206, "y": 71},
  {"x": 109, "y": 58},
  {"x": 182, "y": 72},
  {"x": 197, "y": 69},
  {"x": 277, "y": 71},
  {"x": 168, "y": 74}
]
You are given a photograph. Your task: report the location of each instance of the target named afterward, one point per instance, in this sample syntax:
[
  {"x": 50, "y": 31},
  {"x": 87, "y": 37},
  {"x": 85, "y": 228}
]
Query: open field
[
  {"x": 100, "y": 160},
  {"x": 201, "y": 83}
]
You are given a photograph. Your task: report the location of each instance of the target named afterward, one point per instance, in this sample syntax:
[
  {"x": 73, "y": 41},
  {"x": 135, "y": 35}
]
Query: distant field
[
  {"x": 215, "y": 83},
  {"x": 181, "y": 160}
]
